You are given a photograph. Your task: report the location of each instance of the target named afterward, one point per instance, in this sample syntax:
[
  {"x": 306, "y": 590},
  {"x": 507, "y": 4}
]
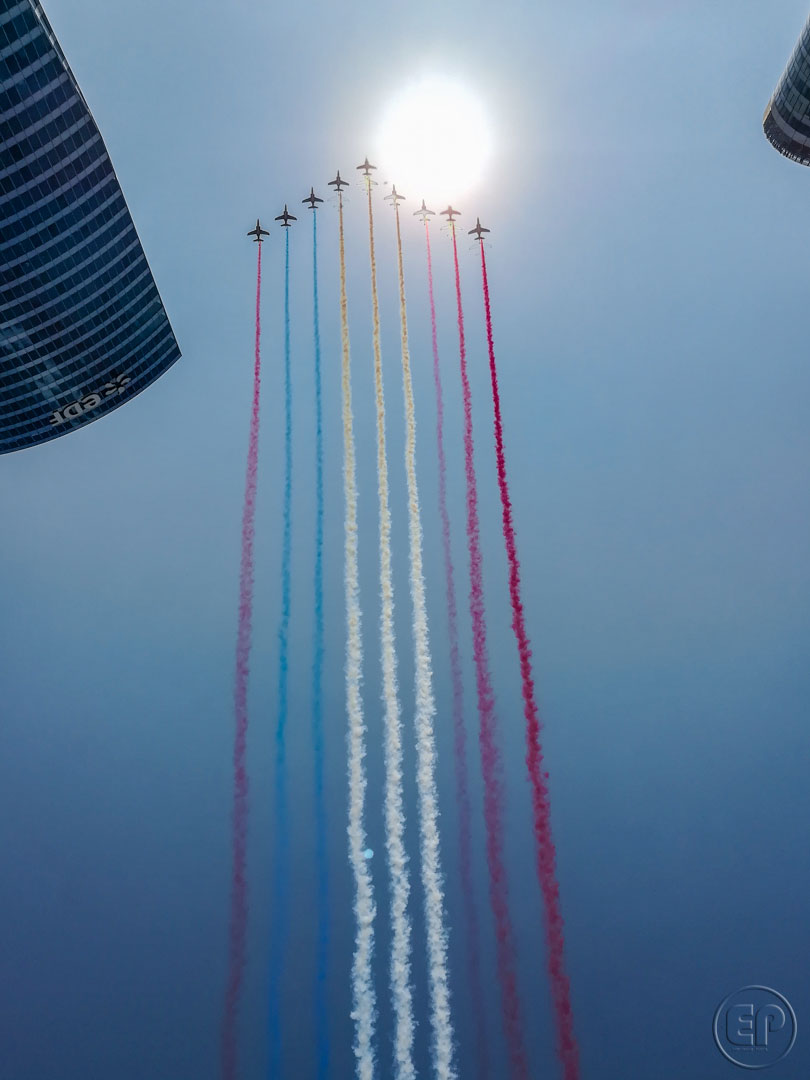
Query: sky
[{"x": 648, "y": 273}]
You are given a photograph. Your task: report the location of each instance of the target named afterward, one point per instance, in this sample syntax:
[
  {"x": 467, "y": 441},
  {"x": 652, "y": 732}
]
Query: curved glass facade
[
  {"x": 82, "y": 325},
  {"x": 787, "y": 118}
]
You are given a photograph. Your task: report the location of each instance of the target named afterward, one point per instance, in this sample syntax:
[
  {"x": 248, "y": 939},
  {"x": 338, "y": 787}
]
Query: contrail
[
  {"x": 491, "y": 765},
  {"x": 394, "y": 813},
  {"x": 321, "y": 1011},
  {"x": 281, "y": 862},
  {"x": 459, "y": 732},
  {"x": 425, "y": 742},
  {"x": 546, "y": 855},
  {"x": 363, "y": 1004},
  {"x": 239, "y": 912}
]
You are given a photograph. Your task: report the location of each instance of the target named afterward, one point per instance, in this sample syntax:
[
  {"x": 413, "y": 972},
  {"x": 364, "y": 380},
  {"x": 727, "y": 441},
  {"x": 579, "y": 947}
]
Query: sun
[{"x": 434, "y": 140}]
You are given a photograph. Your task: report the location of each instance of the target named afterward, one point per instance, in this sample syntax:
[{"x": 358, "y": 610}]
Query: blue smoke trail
[
  {"x": 278, "y": 930},
  {"x": 321, "y": 1014}
]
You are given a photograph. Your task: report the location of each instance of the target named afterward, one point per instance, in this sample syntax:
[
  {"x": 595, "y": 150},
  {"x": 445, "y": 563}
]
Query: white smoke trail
[
  {"x": 425, "y": 743},
  {"x": 363, "y": 1003},
  {"x": 394, "y": 812}
]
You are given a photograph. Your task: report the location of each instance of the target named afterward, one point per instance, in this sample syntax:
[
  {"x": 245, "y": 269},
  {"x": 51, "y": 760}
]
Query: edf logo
[{"x": 755, "y": 1027}]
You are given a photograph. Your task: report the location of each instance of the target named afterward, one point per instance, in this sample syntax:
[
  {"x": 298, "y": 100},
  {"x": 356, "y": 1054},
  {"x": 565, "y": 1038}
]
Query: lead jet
[
  {"x": 478, "y": 231},
  {"x": 286, "y": 218},
  {"x": 395, "y": 197},
  {"x": 312, "y": 198},
  {"x": 258, "y": 233},
  {"x": 450, "y": 214},
  {"x": 366, "y": 168},
  {"x": 423, "y": 212},
  {"x": 337, "y": 183}
]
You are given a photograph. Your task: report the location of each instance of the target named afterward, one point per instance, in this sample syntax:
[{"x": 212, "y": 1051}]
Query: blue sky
[{"x": 648, "y": 269}]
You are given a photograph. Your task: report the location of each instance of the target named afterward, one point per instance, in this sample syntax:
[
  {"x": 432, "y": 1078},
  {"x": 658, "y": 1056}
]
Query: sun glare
[{"x": 434, "y": 141}]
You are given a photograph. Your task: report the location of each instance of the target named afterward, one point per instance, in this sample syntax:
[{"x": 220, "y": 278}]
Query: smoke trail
[
  {"x": 238, "y": 923},
  {"x": 321, "y": 1014},
  {"x": 546, "y": 855},
  {"x": 394, "y": 813},
  {"x": 425, "y": 742},
  {"x": 363, "y": 1007},
  {"x": 459, "y": 731},
  {"x": 491, "y": 766},
  {"x": 281, "y": 861}
]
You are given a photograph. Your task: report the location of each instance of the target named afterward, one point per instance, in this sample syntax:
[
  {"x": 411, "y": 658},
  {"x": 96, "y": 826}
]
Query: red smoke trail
[
  {"x": 238, "y": 927},
  {"x": 459, "y": 733},
  {"x": 491, "y": 766},
  {"x": 546, "y": 855}
]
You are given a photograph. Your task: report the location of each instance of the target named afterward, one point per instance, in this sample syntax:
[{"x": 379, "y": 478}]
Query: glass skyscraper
[
  {"x": 82, "y": 326},
  {"x": 787, "y": 118}
]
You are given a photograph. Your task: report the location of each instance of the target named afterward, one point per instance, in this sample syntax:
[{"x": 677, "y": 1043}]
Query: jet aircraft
[
  {"x": 366, "y": 168},
  {"x": 285, "y": 218},
  {"x": 395, "y": 197},
  {"x": 337, "y": 183},
  {"x": 312, "y": 198},
  {"x": 258, "y": 233},
  {"x": 450, "y": 214},
  {"x": 479, "y": 230},
  {"x": 423, "y": 212}
]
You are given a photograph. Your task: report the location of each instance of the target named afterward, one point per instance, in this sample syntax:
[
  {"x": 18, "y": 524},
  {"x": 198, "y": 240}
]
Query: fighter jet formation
[
  {"x": 363, "y": 983},
  {"x": 394, "y": 197}
]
